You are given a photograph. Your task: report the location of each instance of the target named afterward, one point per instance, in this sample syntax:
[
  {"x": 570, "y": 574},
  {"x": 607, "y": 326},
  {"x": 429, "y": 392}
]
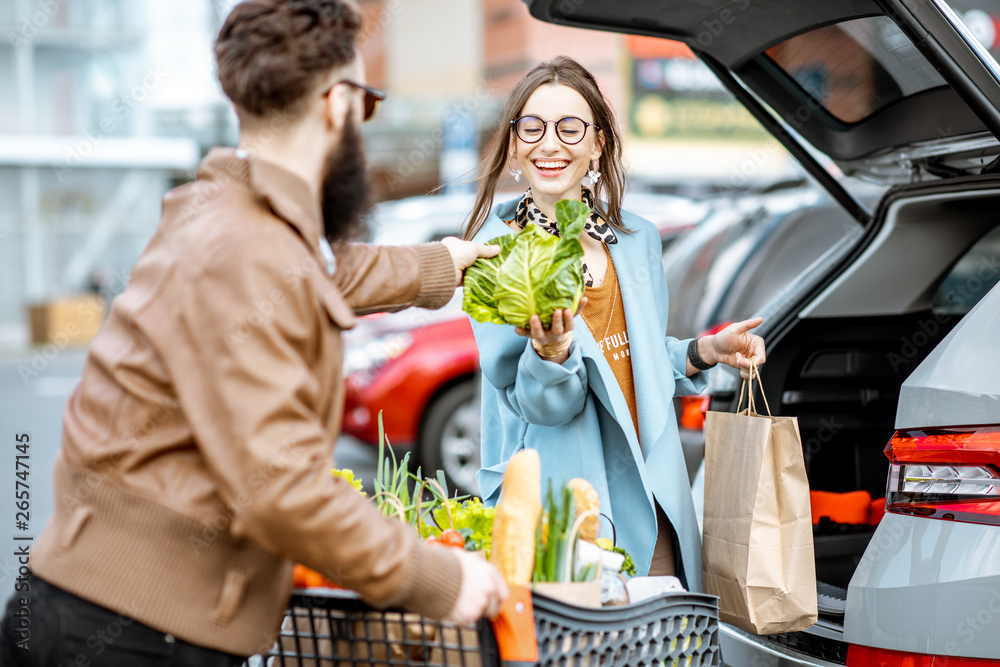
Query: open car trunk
[
  {"x": 893, "y": 91},
  {"x": 838, "y": 358}
]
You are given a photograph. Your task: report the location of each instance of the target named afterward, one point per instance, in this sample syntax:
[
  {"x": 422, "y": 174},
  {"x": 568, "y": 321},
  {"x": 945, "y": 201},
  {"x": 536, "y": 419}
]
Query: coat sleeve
[
  {"x": 253, "y": 403},
  {"x": 537, "y": 391},
  {"x": 684, "y": 385},
  {"x": 376, "y": 278}
]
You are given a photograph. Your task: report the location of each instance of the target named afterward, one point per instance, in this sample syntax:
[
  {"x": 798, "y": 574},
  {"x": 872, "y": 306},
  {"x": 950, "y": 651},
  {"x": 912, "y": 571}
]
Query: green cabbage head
[{"x": 534, "y": 274}]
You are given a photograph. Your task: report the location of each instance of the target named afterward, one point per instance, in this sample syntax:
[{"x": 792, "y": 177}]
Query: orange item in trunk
[
  {"x": 875, "y": 511},
  {"x": 850, "y": 507}
]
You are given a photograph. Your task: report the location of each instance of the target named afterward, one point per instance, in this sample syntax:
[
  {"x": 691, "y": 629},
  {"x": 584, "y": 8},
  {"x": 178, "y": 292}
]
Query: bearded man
[{"x": 196, "y": 453}]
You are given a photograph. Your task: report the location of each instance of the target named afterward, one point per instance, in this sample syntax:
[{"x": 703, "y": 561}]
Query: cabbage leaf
[{"x": 534, "y": 274}]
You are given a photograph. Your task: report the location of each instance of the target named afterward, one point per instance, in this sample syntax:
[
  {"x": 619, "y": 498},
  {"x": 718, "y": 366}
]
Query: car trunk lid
[{"x": 889, "y": 90}]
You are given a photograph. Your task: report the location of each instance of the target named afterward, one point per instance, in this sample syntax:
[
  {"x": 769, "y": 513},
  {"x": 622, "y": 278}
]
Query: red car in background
[{"x": 419, "y": 368}]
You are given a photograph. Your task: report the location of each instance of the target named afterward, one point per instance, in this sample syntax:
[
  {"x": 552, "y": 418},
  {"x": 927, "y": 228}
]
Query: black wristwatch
[{"x": 695, "y": 358}]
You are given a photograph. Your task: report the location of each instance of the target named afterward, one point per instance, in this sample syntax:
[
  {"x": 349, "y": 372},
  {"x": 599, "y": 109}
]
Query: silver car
[{"x": 886, "y": 347}]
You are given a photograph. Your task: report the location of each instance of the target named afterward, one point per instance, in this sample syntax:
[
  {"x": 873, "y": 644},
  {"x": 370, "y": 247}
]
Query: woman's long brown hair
[{"x": 567, "y": 72}]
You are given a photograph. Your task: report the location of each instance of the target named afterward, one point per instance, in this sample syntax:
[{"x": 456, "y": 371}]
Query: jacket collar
[{"x": 285, "y": 193}]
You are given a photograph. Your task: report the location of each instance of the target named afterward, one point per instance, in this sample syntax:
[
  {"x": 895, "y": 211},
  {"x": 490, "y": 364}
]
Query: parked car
[
  {"x": 873, "y": 344},
  {"x": 418, "y": 368},
  {"x": 693, "y": 264},
  {"x": 752, "y": 259}
]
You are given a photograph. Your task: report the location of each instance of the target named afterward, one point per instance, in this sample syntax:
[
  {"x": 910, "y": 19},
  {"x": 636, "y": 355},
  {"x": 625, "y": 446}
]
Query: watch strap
[{"x": 695, "y": 358}]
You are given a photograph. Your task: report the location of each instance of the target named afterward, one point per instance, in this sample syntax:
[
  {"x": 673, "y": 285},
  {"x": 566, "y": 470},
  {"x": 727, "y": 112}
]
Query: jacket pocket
[
  {"x": 233, "y": 589},
  {"x": 71, "y": 531},
  {"x": 334, "y": 304}
]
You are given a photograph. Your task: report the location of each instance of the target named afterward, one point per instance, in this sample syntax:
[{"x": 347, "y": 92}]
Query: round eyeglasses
[{"x": 570, "y": 130}]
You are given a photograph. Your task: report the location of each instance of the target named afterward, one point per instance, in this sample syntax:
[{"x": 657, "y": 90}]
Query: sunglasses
[
  {"x": 372, "y": 96},
  {"x": 570, "y": 130}
]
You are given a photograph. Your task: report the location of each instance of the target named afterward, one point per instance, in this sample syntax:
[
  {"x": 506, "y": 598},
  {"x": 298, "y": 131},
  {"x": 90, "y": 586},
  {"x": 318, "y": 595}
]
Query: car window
[
  {"x": 856, "y": 67},
  {"x": 971, "y": 277}
]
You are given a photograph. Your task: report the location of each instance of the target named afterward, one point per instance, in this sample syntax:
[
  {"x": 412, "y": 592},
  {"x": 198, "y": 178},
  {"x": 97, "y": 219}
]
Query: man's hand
[
  {"x": 464, "y": 253},
  {"x": 483, "y": 590}
]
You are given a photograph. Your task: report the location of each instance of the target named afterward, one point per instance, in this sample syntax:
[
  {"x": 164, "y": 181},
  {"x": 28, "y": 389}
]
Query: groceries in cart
[
  {"x": 550, "y": 544},
  {"x": 547, "y": 548}
]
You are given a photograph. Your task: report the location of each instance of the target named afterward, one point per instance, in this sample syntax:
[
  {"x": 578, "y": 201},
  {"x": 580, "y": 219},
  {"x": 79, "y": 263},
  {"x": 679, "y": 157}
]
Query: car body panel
[
  {"x": 742, "y": 648},
  {"x": 927, "y": 586},
  {"x": 958, "y": 384},
  {"x": 798, "y": 242}
]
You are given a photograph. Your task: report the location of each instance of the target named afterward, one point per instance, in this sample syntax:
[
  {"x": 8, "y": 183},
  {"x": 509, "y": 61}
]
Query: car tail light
[
  {"x": 711, "y": 331},
  {"x": 866, "y": 656},
  {"x": 951, "y": 474},
  {"x": 693, "y": 410}
]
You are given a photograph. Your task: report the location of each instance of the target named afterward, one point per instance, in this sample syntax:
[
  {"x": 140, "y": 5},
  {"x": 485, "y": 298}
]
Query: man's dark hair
[{"x": 273, "y": 53}]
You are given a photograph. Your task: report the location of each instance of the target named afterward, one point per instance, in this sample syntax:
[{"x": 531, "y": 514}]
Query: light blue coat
[{"x": 576, "y": 416}]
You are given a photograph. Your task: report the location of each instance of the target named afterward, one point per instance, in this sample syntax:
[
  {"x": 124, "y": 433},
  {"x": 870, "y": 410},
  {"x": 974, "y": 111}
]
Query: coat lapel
[{"x": 653, "y": 377}]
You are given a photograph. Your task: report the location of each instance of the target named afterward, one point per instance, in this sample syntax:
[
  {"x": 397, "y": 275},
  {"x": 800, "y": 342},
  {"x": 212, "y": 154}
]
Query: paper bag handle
[
  {"x": 569, "y": 567},
  {"x": 750, "y": 405}
]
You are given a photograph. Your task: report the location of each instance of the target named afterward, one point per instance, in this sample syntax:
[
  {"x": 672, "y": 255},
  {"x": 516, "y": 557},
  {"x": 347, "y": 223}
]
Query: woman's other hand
[
  {"x": 552, "y": 344},
  {"x": 735, "y": 346}
]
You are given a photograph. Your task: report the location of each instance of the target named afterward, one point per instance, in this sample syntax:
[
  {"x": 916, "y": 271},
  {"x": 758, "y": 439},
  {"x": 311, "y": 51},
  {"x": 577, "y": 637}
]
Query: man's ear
[{"x": 337, "y": 107}]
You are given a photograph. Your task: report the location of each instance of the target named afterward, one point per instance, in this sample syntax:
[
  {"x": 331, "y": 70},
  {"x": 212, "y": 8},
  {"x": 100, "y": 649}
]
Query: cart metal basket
[{"x": 336, "y": 629}]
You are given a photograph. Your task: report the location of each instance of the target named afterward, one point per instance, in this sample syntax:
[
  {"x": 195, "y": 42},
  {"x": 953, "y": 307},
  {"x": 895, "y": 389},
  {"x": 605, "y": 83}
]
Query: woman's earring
[
  {"x": 516, "y": 173},
  {"x": 593, "y": 174}
]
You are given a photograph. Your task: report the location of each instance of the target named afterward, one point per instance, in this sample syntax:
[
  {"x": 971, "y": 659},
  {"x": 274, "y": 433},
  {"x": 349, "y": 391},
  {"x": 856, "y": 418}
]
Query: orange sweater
[{"x": 605, "y": 316}]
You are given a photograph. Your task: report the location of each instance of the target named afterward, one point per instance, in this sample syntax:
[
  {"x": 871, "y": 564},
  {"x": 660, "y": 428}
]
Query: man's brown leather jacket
[{"x": 196, "y": 454}]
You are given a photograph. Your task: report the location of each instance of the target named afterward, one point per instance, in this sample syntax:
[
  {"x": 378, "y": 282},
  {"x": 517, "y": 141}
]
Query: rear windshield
[
  {"x": 972, "y": 277},
  {"x": 857, "y": 67}
]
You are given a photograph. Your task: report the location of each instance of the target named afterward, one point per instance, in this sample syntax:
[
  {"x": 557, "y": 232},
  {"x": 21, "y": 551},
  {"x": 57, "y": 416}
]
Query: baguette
[{"x": 516, "y": 519}]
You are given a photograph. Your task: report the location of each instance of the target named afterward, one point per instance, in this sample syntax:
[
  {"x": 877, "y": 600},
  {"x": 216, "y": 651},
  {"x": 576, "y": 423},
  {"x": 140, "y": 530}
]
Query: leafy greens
[{"x": 534, "y": 274}]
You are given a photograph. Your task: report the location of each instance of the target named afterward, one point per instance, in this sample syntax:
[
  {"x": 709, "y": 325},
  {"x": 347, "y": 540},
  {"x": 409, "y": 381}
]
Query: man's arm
[
  {"x": 376, "y": 278},
  {"x": 385, "y": 278}
]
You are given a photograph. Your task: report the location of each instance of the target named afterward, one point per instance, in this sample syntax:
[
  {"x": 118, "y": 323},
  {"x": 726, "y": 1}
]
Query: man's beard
[{"x": 346, "y": 190}]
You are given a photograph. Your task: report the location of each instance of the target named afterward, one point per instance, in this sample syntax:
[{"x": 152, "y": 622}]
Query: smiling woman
[{"x": 591, "y": 392}]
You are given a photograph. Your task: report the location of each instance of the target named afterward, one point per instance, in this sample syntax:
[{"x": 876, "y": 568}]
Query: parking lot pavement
[{"x": 33, "y": 393}]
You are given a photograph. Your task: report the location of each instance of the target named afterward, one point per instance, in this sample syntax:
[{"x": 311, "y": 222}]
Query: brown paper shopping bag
[{"x": 758, "y": 542}]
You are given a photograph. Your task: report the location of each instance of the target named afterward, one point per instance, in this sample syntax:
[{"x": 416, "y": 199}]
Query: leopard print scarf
[{"x": 595, "y": 225}]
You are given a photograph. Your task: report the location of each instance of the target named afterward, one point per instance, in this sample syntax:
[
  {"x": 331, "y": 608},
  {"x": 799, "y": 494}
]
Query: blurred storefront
[
  {"x": 686, "y": 132},
  {"x": 682, "y": 129},
  {"x": 108, "y": 103}
]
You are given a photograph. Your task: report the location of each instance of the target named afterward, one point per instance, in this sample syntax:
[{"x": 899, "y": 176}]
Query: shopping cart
[{"x": 336, "y": 629}]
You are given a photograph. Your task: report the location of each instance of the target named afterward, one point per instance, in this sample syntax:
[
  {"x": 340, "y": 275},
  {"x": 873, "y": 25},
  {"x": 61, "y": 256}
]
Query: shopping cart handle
[{"x": 514, "y": 628}]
